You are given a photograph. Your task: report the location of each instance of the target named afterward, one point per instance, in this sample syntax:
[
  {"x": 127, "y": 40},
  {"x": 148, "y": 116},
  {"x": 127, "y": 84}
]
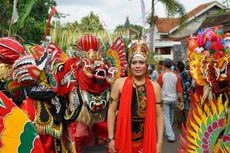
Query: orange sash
[{"x": 123, "y": 140}]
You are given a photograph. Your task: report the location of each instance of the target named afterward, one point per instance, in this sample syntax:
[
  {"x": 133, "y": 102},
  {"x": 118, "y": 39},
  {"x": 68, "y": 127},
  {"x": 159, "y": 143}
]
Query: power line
[{"x": 149, "y": 11}]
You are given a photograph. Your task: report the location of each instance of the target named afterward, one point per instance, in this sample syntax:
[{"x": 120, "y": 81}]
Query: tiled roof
[
  {"x": 164, "y": 25},
  {"x": 215, "y": 20},
  {"x": 199, "y": 9}
]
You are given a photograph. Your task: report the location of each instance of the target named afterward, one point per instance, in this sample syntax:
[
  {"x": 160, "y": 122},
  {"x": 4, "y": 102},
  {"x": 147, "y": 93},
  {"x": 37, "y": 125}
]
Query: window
[{"x": 164, "y": 51}]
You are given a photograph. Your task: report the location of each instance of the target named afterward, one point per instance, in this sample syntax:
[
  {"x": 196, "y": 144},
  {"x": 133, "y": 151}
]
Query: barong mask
[
  {"x": 61, "y": 70},
  {"x": 95, "y": 65},
  {"x": 96, "y": 103},
  {"x": 207, "y": 123},
  {"x": 209, "y": 61},
  {"x": 29, "y": 66},
  {"x": 99, "y": 69}
]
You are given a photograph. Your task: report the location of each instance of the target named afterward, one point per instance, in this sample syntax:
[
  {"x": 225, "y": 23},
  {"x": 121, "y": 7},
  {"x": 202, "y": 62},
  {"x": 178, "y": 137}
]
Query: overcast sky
[{"x": 114, "y": 12}]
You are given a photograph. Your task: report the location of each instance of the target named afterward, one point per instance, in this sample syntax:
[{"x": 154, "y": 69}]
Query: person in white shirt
[{"x": 171, "y": 94}]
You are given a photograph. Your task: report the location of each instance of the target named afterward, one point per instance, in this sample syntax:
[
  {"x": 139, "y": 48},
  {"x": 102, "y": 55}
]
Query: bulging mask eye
[{"x": 60, "y": 68}]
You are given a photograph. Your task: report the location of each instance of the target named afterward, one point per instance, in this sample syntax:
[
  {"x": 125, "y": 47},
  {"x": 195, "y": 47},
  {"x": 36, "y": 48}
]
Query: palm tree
[
  {"x": 91, "y": 23},
  {"x": 173, "y": 7}
]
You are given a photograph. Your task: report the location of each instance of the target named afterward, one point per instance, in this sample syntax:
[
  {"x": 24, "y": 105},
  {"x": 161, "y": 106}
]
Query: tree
[
  {"x": 132, "y": 27},
  {"x": 33, "y": 15},
  {"x": 91, "y": 23},
  {"x": 172, "y": 7},
  {"x": 5, "y": 8},
  {"x": 65, "y": 36},
  {"x": 72, "y": 26}
]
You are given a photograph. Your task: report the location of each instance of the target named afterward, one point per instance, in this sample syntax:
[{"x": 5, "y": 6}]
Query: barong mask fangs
[{"x": 94, "y": 64}]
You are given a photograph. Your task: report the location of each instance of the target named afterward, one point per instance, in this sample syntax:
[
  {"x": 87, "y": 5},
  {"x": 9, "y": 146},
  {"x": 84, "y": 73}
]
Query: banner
[
  {"x": 15, "y": 16},
  {"x": 48, "y": 23}
]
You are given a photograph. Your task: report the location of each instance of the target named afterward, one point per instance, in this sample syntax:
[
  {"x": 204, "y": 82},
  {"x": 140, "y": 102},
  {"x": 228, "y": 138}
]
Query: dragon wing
[
  {"x": 207, "y": 128},
  {"x": 117, "y": 56},
  {"x": 17, "y": 133}
]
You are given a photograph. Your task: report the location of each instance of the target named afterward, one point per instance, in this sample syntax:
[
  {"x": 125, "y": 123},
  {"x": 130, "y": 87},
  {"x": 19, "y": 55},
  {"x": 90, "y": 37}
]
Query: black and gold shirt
[{"x": 138, "y": 112}]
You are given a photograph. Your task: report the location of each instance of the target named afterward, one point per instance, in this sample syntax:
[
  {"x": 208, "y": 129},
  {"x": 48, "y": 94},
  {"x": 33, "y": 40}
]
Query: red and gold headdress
[
  {"x": 139, "y": 49},
  {"x": 89, "y": 46},
  {"x": 89, "y": 42}
]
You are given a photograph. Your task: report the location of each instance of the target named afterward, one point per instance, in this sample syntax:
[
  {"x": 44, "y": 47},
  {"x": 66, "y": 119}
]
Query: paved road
[{"x": 167, "y": 147}]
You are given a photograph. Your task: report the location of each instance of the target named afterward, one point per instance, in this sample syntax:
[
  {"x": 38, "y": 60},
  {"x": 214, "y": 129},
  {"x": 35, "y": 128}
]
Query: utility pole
[{"x": 152, "y": 30}]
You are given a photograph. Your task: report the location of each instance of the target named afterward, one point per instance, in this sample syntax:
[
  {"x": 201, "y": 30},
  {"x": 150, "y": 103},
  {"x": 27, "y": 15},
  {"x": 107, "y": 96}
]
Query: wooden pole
[{"x": 152, "y": 30}]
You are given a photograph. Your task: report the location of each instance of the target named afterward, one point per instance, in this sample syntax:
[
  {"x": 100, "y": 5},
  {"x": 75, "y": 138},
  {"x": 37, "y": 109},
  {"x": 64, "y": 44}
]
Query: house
[
  {"x": 170, "y": 37},
  {"x": 221, "y": 20}
]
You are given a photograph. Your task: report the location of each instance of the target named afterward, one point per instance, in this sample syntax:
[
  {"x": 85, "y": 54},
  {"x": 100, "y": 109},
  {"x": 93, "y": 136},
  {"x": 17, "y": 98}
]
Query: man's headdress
[{"x": 138, "y": 49}]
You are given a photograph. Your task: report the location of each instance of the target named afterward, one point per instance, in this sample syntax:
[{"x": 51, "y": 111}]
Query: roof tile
[{"x": 164, "y": 25}]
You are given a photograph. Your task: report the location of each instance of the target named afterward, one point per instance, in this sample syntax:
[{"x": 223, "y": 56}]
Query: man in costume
[
  {"x": 99, "y": 69},
  {"x": 138, "y": 126},
  {"x": 47, "y": 79}
]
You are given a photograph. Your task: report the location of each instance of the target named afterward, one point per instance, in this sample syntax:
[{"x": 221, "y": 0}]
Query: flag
[
  {"x": 143, "y": 12},
  {"x": 48, "y": 23},
  {"x": 15, "y": 16}
]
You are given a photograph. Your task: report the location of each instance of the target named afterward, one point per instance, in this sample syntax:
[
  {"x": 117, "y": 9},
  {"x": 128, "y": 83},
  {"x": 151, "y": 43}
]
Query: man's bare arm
[
  {"x": 159, "y": 117},
  {"x": 115, "y": 94}
]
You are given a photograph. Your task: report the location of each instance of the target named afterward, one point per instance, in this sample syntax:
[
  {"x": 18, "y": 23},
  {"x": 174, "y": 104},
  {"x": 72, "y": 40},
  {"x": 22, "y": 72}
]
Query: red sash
[{"x": 123, "y": 140}]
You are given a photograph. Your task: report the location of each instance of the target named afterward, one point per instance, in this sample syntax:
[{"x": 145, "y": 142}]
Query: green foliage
[
  {"x": 66, "y": 36},
  {"x": 32, "y": 31},
  {"x": 133, "y": 29},
  {"x": 173, "y": 7},
  {"x": 91, "y": 23},
  {"x": 152, "y": 59},
  {"x": 120, "y": 28},
  {"x": 72, "y": 26},
  {"x": 33, "y": 16},
  {"x": 24, "y": 8},
  {"x": 5, "y": 15}
]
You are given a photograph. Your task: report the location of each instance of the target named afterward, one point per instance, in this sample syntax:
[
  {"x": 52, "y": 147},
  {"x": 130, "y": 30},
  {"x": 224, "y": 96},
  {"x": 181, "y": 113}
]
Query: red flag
[{"x": 48, "y": 23}]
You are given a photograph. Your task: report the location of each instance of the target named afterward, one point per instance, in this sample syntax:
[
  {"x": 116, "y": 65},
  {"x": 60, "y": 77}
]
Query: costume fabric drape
[{"x": 123, "y": 142}]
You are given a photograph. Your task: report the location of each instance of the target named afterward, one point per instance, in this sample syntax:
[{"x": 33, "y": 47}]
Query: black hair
[
  {"x": 168, "y": 62},
  {"x": 161, "y": 62},
  {"x": 180, "y": 65}
]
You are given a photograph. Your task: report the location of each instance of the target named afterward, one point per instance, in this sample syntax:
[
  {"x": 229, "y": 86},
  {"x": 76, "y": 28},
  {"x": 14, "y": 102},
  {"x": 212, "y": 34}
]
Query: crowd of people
[
  {"x": 176, "y": 83},
  {"x": 139, "y": 112},
  {"x": 172, "y": 84}
]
